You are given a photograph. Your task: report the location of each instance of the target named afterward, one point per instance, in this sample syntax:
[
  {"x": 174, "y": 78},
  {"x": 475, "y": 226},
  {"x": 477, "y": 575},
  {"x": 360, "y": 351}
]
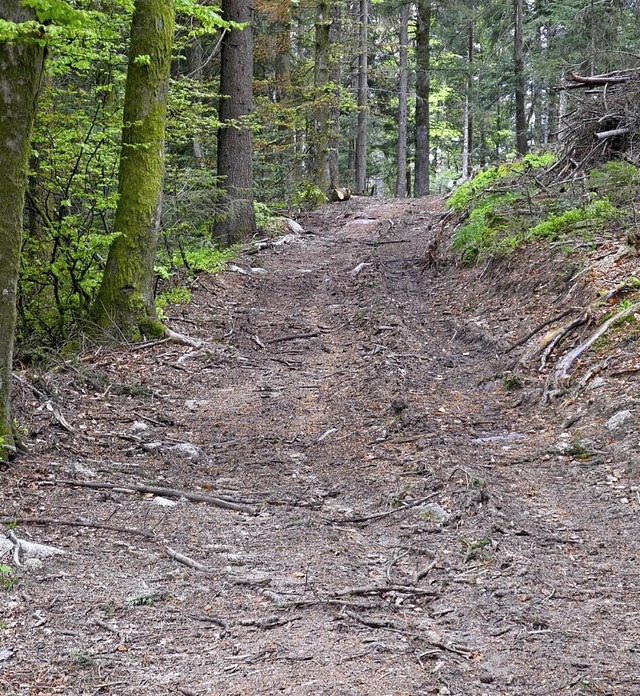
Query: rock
[
  {"x": 294, "y": 226},
  {"x": 259, "y": 271},
  {"x": 5, "y": 545},
  {"x": 78, "y": 468},
  {"x": 32, "y": 564},
  {"x": 618, "y": 420},
  {"x": 163, "y": 502},
  {"x": 187, "y": 450},
  {"x": 433, "y": 512},
  {"x": 139, "y": 428},
  {"x": 193, "y": 404},
  {"x": 597, "y": 383}
]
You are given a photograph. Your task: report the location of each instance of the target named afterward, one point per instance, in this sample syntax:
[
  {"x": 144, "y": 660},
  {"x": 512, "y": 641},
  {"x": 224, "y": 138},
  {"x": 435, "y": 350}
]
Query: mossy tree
[
  {"x": 125, "y": 305},
  {"x": 21, "y": 59}
]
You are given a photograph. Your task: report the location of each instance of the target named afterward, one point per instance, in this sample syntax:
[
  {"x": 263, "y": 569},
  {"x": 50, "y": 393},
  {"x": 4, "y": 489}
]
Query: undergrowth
[{"x": 511, "y": 204}]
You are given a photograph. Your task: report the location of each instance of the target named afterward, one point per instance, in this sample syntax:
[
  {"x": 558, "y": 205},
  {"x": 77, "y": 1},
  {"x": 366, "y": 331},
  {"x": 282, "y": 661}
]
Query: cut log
[
  {"x": 340, "y": 194},
  {"x": 603, "y": 135}
]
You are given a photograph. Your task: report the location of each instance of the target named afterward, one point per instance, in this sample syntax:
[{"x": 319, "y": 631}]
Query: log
[
  {"x": 340, "y": 194},
  {"x": 611, "y": 133}
]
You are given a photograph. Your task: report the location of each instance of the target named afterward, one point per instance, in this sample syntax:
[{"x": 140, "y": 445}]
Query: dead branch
[
  {"x": 603, "y": 135},
  {"x": 599, "y": 80},
  {"x": 185, "y": 560},
  {"x": 372, "y": 623},
  {"x": 560, "y": 373},
  {"x": 384, "y": 589},
  {"x": 168, "y": 492},
  {"x": 539, "y": 328},
  {"x": 387, "y": 513},
  {"x": 6, "y": 519},
  {"x": 294, "y": 337}
]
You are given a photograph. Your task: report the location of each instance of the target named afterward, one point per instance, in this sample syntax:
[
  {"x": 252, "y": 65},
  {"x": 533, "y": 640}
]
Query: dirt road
[{"x": 414, "y": 523}]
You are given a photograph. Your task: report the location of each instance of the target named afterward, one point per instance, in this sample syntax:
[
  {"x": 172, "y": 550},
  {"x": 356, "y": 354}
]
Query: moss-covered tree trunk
[
  {"x": 125, "y": 305},
  {"x": 20, "y": 70},
  {"x": 237, "y": 218}
]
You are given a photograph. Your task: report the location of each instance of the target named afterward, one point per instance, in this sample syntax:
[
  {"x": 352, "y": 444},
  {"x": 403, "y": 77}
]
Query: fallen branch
[
  {"x": 603, "y": 135},
  {"x": 372, "y": 623},
  {"x": 539, "y": 328},
  {"x": 185, "y": 560},
  {"x": 294, "y": 337},
  {"x": 8, "y": 519},
  {"x": 168, "y": 492},
  {"x": 561, "y": 371},
  {"x": 387, "y": 513},
  {"x": 384, "y": 589}
]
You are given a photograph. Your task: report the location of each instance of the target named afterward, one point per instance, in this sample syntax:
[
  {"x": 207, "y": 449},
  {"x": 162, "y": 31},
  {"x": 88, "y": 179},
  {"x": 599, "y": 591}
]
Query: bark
[
  {"x": 20, "y": 70},
  {"x": 363, "y": 99},
  {"x": 319, "y": 136},
  {"x": 423, "y": 59},
  {"x": 237, "y": 219},
  {"x": 125, "y": 305},
  {"x": 403, "y": 91},
  {"x": 335, "y": 31},
  {"x": 522, "y": 146},
  {"x": 467, "y": 145}
]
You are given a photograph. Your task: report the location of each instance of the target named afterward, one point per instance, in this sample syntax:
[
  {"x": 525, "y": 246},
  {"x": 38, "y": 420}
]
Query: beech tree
[
  {"x": 21, "y": 60},
  {"x": 125, "y": 305},
  {"x": 237, "y": 219}
]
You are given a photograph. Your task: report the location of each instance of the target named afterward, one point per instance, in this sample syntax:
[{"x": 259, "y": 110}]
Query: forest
[
  {"x": 319, "y": 347},
  {"x": 157, "y": 135}
]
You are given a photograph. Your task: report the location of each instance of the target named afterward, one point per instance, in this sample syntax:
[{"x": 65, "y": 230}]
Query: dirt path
[{"x": 418, "y": 528}]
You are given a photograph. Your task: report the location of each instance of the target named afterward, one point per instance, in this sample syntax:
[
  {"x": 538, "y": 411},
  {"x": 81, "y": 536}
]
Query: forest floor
[{"x": 413, "y": 520}]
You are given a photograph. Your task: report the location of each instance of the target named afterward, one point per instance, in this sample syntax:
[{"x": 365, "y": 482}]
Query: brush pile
[{"x": 602, "y": 123}]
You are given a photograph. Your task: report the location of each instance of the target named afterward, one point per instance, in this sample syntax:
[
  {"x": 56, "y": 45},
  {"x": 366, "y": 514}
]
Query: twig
[
  {"x": 156, "y": 490},
  {"x": 425, "y": 571},
  {"x": 380, "y": 242},
  {"x": 294, "y": 337},
  {"x": 372, "y": 623},
  {"x": 539, "y": 327},
  {"x": 210, "y": 619},
  {"x": 6, "y": 518},
  {"x": 189, "y": 562},
  {"x": 383, "y": 589},
  {"x": 561, "y": 370},
  {"x": 387, "y": 513}
]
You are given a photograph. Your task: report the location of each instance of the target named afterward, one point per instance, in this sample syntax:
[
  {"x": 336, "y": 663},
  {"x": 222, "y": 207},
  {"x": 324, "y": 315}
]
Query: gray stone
[
  {"x": 139, "y": 428},
  {"x": 433, "y": 512},
  {"x": 618, "y": 419},
  {"x": 187, "y": 450}
]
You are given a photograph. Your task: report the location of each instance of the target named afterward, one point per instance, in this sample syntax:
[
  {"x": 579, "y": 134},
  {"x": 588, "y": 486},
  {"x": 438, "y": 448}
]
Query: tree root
[{"x": 560, "y": 374}]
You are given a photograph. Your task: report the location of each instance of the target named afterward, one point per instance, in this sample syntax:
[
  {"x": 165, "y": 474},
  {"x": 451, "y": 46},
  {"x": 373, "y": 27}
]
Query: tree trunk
[
  {"x": 335, "y": 72},
  {"x": 519, "y": 81},
  {"x": 20, "y": 70},
  {"x": 403, "y": 91},
  {"x": 125, "y": 305},
  {"x": 363, "y": 99},
  {"x": 319, "y": 136},
  {"x": 237, "y": 218},
  {"x": 423, "y": 58},
  {"x": 467, "y": 145}
]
